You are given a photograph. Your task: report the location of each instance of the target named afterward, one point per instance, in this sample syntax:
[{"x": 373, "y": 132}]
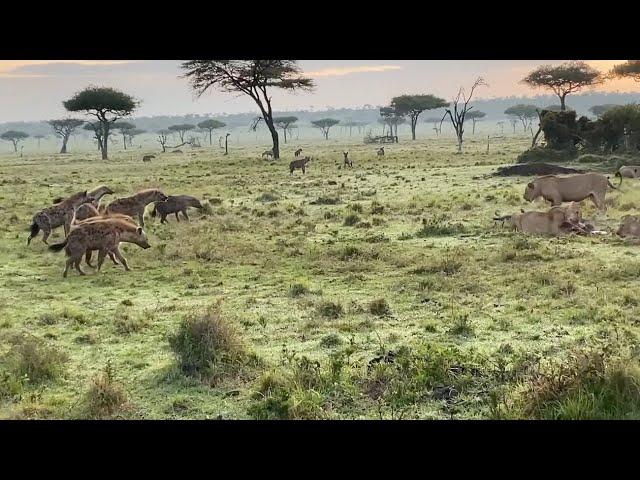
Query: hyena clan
[
  {"x": 135, "y": 205},
  {"x": 57, "y": 215},
  {"x": 175, "y": 204},
  {"x": 103, "y": 235},
  {"x": 301, "y": 164}
]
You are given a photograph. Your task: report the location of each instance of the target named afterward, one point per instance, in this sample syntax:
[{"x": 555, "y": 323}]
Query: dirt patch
[{"x": 533, "y": 169}]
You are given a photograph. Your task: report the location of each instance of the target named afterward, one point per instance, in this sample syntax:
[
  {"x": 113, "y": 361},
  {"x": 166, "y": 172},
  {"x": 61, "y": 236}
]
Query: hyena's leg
[
  {"x": 87, "y": 258},
  {"x": 67, "y": 226},
  {"x": 177, "y": 217},
  {"x": 77, "y": 265},
  {"x": 46, "y": 231},
  {"x": 120, "y": 257},
  {"x": 66, "y": 268},
  {"x": 101, "y": 256},
  {"x": 163, "y": 218},
  {"x": 184, "y": 212},
  {"x": 113, "y": 258},
  {"x": 141, "y": 217}
]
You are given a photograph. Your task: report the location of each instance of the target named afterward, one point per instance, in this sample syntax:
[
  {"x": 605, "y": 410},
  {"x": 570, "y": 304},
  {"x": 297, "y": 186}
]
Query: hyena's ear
[
  {"x": 85, "y": 193},
  {"x": 139, "y": 230},
  {"x": 530, "y": 185}
]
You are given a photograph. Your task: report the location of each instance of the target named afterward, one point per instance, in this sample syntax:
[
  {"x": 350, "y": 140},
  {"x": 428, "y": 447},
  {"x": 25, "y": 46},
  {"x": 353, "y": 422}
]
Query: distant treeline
[{"x": 494, "y": 109}]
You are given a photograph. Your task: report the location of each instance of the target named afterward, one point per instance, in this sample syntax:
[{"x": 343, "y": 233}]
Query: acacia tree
[
  {"x": 324, "y": 124},
  {"x": 458, "y": 109},
  {"x": 475, "y": 116},
  {"x": 181, "y": 130},
  {"x": 134, "y": 132},
  {"x": 599, "y": 110},
  {"x": 564, "y": 79},
  {"x": 254, "y": 78},
  {"x": 629, "y": 69},
  {"x": 108, "y": 105},
  {"x": 211, "y": 125},
  {"x": 39, "y": 137},
  {"x": 285, "y": 123},
  {"x": 14, "y": 137},
  {"x": 125, "y": 129},
  {"x": 501, "y": 125},
  {"x": 524, "y": 113},
  {"x": 162, "y": 139},
  {"x": 436, "y": 123},
  {"x": 391, "y": 118},
  {"x": 413, "y": 105},
  {"x": 64, "y": 128}
]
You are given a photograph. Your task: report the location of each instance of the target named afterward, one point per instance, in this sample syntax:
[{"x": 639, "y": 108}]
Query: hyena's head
[
  {"x": 158, "y": 196},
  {"x": 137, "y": 236},
  {"x": 346, "y": 155}
]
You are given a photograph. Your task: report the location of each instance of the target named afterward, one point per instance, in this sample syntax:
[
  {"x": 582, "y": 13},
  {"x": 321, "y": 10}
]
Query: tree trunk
[
  {"x": 285, "y": 135},
  {"x": 413, "y": 127},
  {"x": 105, "y": 140},
  {"x": 274, "y": 138},
  {"x": 562, "y": 105},
  {"x": 15, "y": 146},
  {"x": 210, "y": 141},
  {"x": 64, "y": 144},
  {"x": 124, "y": 141},
  {"x": 459, "y": 135},
  {"x": 473, "y": 128},
  {"x": 226, "y": 149}
]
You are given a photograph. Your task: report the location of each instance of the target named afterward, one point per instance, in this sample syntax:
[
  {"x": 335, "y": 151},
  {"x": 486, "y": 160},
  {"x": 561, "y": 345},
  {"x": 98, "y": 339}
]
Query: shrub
[
  {"x": 539, "y": 154},
  {"x": 439, "y": 226},
  {"x": 267, "y": 197},
  {"x": 297, "y": 290},
  {"x": 326, "y": 201},
  {"x": 105, "y": 396},
  {"x": 331, "y": 340},
  {"x": 379, "y": 307},
  {"x": 329, "y": 309},
  {"x": 208, "y": 346},
  {"x": 30, "y": 357},
  {"x": 351, "y": 220}
]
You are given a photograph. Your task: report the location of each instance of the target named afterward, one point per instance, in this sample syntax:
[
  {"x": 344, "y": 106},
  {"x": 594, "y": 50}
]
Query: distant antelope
[
  {"x": 298, "y": 152},
  {"x": 347, "y": 160},
  {"x": 381, "y": 152}
]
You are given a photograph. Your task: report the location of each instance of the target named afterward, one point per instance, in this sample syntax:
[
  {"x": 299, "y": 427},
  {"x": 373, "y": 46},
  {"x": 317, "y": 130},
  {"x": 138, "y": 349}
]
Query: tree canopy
[
  {"x": 413, "y": 105},
  {"x": 14, "y": 137},
  {"x": 181, "y": 129},
  {"x": 211, "y": 125},
  {"x": 255, "y": 78},
  {"x": 629, "y": 69},
  {"x": 564, "y": 79},
  {"x": 63, "y": 128},
  {"x": 598, "y": 110},
  {"x": 285, "y": 123},
  {"x": 524, "y": 113}
]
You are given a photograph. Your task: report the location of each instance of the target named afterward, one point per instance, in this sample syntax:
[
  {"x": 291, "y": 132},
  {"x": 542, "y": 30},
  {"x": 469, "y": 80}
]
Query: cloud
[
  {"x": 45, "y": 68},
  {"x": 340, "y": 71}
]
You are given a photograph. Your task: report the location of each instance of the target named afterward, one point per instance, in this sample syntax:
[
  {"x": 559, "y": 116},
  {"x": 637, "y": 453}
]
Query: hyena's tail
[
  {"x": 35, "y": 228},
  {"x": 56, "y": 247},
  {"x": 57, "y": 200}
]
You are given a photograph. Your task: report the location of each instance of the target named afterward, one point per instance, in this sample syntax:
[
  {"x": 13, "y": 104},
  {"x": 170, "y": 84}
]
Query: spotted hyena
[
  {"x": 105, "y": 236},
  {"x": 96, "y": 193},
  {"x": 267, "y": 153},
  {"x": 347, "y": 160},
  {"x": 298, "y": 152},
  {"x": 381, "y": 152},
  {"x": 175, "y": 204},
  {"x": 60, "y": 214},
  {"x": 301, "y": 164},
  {"x": 135, "y": 204},
  {"x": 96, "y": 217}
]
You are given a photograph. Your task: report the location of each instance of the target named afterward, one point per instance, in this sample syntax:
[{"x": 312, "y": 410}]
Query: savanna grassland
[{"x": 382, "y": 291}]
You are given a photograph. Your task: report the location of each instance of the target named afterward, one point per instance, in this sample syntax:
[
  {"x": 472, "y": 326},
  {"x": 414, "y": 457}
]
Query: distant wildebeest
[
  {"x": 572, "y": 188},
  {"x": 628, "y": 172},
  {"x": 104, "y": 236},
  {"x": 147, "y": 158},
  {"x": 135, "y": 204},
  {"x": 347, "y": 160},
  {"x": 301, "y": 164},
  {"x": 96, "y": 193},
  {"x": 298, "y": 152},
  {"x": 60, "y": 214},
  {"x": 381, "y": 152},
  {"x": 175, "y": 204},
  {"x": 267, "y": 153}
]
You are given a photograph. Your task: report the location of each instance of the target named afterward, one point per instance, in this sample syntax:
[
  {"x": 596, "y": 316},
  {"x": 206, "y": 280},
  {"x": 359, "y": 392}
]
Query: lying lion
[{"x": 551, "y": 222}]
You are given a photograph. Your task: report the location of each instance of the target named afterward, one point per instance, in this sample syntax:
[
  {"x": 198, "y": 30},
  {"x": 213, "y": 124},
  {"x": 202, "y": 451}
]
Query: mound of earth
[{"x": 533, "y": 169}]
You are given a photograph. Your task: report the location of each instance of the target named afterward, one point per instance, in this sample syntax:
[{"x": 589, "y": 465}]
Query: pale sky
[{"x": 34, "y": 89}]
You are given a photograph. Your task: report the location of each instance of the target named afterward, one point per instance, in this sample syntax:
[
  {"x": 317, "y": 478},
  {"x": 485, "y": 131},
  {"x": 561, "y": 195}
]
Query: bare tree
[
  {"x": 64, "y": 128},
  {"x": 458, "y": 109}
]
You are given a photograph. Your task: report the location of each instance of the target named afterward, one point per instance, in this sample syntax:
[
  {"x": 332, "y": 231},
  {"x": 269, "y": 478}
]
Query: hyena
[
  {"x": 135, "y": 204},
  {"x": 298, "y": 152},
  {"x": 147, "y": 158},
  {"x": 105, "y": 236},
  {"x": 381, "y": 152},
  {"x": 347, "y": 160},
  {"x": 301, "y": 164},
  {"x": 96, "y": 193},
  {"x": 267, "y": 153},
  {"x": 175, "y": 204},
  {"x": 97, "y": 217},
  {"x": 57, "y": 215}
]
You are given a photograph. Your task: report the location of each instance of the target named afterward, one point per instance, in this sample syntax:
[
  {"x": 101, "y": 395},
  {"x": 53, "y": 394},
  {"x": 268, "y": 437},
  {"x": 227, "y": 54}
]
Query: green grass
[{"x": 419, "y": 269}]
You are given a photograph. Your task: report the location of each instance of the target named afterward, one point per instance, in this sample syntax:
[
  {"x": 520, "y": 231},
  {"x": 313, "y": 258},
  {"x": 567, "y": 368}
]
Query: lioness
[
  {"x": 629, "y": 226},
  {"x": 57, "y": 215},
  {"x": 572, "y": 188},
  {"x": 301, "y": 164},
  {"x": 105, "y": 236},
  {"x": 628, "y": 172},
  {"x": 135, "y": 204},
  {"x": 175, "y": 204},
  {"x": 545, "y": 223}
]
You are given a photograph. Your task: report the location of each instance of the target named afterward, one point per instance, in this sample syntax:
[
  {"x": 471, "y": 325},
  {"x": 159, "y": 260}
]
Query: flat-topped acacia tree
[
  {"x": 255, "y": 78},
  {"x": 63, "y": 128},
  {"x": 285, "y": 123},
  {"x": 524, "y": 113},
  {"x": 413, "y": 105},
  {"x": 108, "y": 105},
  {"x": 181, "y": 130},
  {"x": 14, "y": 137},
  {"x": 325, "y": 124},
  {"x": 629, "y": 69},
  {"x": 564, "y": 79},
  {"x": 211, "y": 125},
  {"x": 125, "y": 128},
  {"x": 475, "y": 116}
]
